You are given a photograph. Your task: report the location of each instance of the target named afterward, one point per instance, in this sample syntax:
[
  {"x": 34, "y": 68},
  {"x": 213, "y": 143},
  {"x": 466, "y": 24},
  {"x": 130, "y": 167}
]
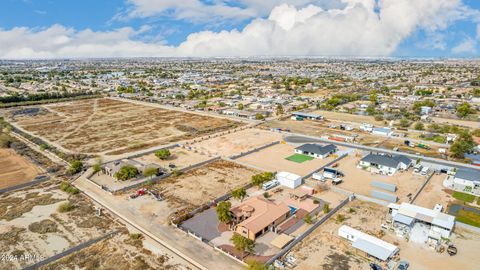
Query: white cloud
[
  {"x": 192, "y": 10},
  {"x": 467, "y": 46},
  {"x": 207, "y": 11},
  {"x": 358, "y": 27},
  {"x": 478, "y": 31},
  {"x": 61, "y": 42}
]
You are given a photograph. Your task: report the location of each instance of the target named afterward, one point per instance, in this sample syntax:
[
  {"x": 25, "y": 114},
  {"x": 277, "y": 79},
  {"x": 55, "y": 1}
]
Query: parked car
[
  {"x": 403, "y": 265},
  {"x": 375, "y": 266}
]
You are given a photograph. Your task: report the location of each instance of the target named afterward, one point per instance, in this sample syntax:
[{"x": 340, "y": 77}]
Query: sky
[{"x": 51, "y": 29}]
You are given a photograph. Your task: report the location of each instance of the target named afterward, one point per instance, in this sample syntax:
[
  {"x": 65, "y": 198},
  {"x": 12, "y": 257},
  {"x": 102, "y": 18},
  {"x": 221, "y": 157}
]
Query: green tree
[
  {"x": 308, "y": 219},
  {"x": 419, "y": 126},
  {"x": 373, "y": 97},
  {"x": 239, "y": 193},
  {"x": 464, "y": 109},
  {"x": 150, "y": 171},
  {"x": 253, "y": 264},
  {"x": 223, "y": 211},
  {"x": 75, "y": 167},
  {"x": 462, "y": 145},
  {"x": 5, "y": 140},
  {"x": 326, "y": 208},
  {"x": 259, "y": 179},
  {"x": 279, "y": 110},
  {"x": 163, "y": 154},
  {"x": 240, "y": 106},
  {"x": 259, "y": 116},
  {"x": 242, "y": 243},
  {"x": 404, "y": 123},
  {"x": 126, "y": 172}
]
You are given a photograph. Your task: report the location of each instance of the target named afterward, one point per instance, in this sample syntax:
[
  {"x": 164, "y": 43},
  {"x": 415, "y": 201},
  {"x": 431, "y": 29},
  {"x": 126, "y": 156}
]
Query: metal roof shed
[
  {"x": 403, "y": 219},
  {"x": 383, "y": 185},
  {"x": 372, "y": 249}
]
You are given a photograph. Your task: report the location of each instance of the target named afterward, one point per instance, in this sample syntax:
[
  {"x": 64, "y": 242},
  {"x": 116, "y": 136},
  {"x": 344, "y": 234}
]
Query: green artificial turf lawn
[{"x": 299, "y": 158}]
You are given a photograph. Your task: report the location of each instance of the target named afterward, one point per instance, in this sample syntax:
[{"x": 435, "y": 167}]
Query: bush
[
  {"x": 308, "y": 219},
  {"x": 136, "y": 236},
  {"x": 326, "y": 208},
  {"x": 67, "y": 187},
  {"x": 266, "y": 195},
  {"x": 316, "y": 201},
  {"x": 75, "y": 167},
  {"x": 259, "y": 179},
  {"x": 65, "y": 207},
  {"x": 126, "y": 172},
  {"x": 163, "y": 154},
  {"x": 340, "y": 218}
]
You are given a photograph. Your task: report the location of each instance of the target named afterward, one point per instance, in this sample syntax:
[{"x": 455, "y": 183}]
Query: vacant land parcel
[
  {"x": 203, "y": 185},
  {"x": 14, "y": 169},
  {"x": 102, "y": 125},
  {"x": 179, "y": 157},
  {"x": 232, "y": 143},
  {"x": 31, "y": 223}
]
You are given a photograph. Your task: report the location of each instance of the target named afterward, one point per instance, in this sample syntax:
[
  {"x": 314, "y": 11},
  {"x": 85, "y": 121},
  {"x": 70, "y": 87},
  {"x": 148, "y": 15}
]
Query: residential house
[
  {"x": 384, "y": 164},
  {"x": 257, "y": 215},
  {"x": 316, "y": 150}
]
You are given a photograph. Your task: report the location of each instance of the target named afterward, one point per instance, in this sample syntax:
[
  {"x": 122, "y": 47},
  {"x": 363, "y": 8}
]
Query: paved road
[
  {"x": 299, "y": 138},
  {"x": 192, "y": 251}
]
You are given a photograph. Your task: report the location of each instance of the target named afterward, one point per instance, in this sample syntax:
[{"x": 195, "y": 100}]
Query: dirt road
[{"x": 193, "y": 251}]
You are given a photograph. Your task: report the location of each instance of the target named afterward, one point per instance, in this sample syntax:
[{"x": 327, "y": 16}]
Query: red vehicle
[
  {"x": 139, "y": 193},
  {"x": 335, "y": 165}
]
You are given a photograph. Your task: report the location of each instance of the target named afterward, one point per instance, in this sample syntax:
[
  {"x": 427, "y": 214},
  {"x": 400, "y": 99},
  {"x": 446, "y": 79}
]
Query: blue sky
[{"x": 447, "y": 28}]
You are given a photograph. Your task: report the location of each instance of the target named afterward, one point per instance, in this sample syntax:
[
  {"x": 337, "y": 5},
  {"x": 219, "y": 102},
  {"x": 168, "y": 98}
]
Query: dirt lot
[
  {"x": 15, "y": 169},
  {"x": 358, "y": 181},
  {"x": 31, "y": 224},
  {"x": 103, "y": 125},
  {"x": 463, "y": 123},
  {"x": 324, "y": 249},
  {"x": 273, "y": 159},
  {"x": 120, "y": 252},
  {"x": 237, "y": 142},
  {"x": 434, "y": 193},
  {"x": 203, "y": 184},
  {"x": 346, "y": 117},
  {"x": 180, "y": 157}
]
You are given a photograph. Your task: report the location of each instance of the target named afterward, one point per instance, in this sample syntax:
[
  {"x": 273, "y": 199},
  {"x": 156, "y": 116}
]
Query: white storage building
[
  {"x": 369, "y": 244},
  {"x": 289, "y": 180}
]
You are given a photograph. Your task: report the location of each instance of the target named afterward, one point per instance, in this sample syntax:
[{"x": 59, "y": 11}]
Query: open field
[
  {"x": 358, "y": 181},
  {"x": 274, "y": 159},
  {"x": 236, "y": 142},
  {"x": 119, "y": 252},
  {"x": 14, "y": 169},
  {"x": 202, "y": 185},
  {"x": 103, "y": 125},
  {"x": 458, "y": 122},
  {"x": 347, "y": 117},
  {"x": 180, "y": 157},
  {"x": 32, "y": 225}
]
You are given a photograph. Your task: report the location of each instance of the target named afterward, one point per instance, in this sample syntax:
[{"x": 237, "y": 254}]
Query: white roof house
[
  {"x": 407, "y": 214},
  {"x": 289, "y": 180},
  {"x": 369, "y": 244}
]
